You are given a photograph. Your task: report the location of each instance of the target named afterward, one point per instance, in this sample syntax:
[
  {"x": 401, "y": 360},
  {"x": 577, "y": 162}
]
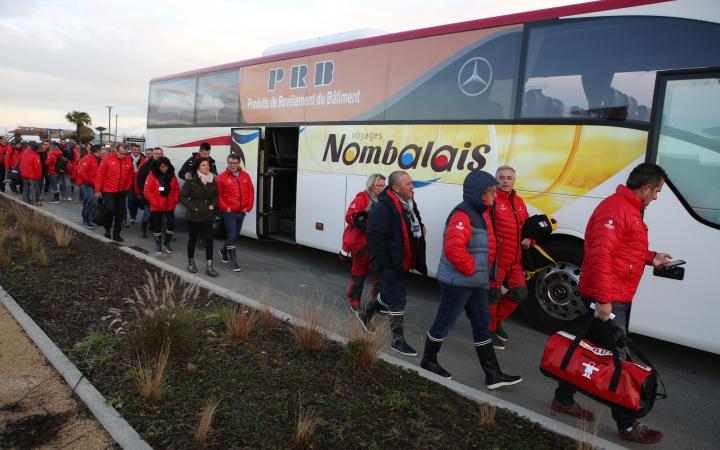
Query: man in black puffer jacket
[{"x": 396, "y": 244}]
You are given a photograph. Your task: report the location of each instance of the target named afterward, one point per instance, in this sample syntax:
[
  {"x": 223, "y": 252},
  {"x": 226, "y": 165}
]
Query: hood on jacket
[
  {"x": 475, "y": 184},
  {"x": 156, "y": 166}
]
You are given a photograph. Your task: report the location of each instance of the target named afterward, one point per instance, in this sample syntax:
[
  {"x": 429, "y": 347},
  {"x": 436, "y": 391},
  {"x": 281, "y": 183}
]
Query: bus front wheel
[{"x": 553, "y": 293}]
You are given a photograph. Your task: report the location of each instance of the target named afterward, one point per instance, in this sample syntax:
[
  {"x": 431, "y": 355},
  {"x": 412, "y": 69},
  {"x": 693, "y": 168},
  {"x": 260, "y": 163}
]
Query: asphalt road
[{"x": 290, "y": 276}]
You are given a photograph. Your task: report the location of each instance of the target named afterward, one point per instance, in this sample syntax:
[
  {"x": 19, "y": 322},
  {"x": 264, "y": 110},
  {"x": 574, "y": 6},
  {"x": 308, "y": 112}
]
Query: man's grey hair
[
  {"x": 506, "y": 167},
  {"x": 372, "y": 181},
  {"x": 394, "y": 178}
]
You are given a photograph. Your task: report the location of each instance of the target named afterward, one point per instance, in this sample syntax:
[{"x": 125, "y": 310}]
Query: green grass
[{"x": 95, "y": 349}]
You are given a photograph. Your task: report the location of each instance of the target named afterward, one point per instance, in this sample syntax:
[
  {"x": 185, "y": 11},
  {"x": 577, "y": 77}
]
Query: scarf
[
  {"x": 408, "y": 207},
  {"x": 135, "y": 160},
  {"x": 206, "y": 179},
  {"x": 165, "y": 179}
]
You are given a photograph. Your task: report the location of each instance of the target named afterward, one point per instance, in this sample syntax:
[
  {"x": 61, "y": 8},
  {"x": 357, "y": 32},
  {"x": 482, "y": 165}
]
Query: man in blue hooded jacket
[{"x": 464, "y": 272}]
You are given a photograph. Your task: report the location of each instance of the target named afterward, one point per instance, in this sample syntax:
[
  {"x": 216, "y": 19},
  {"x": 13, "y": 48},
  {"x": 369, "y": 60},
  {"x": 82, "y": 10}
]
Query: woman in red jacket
[
  {"x": 162, "y": 192},
  {"x": 354, "y": 241},
  {"x": 55, "y": 162}
]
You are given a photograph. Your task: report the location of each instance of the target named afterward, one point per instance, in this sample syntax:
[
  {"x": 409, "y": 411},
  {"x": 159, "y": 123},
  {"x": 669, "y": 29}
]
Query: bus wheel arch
[{"x": 553, "y": 293}]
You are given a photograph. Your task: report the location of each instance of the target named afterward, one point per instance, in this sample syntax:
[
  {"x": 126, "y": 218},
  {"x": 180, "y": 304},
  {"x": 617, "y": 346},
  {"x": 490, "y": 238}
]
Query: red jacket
[
  {"x": 114, "y": 175},
  {"x": 158, "y": 202},
  {"x": 12, "y": 158},
  {"x": 457, "y": 237},
  {"x": 354, "y": 238},
  {"x": 616, "y": 249},
  {"x": 30, "y": 165},
  {"x": 5, "y": 149},
  {"x": 510, "y": 216},
  {"x": 86, "y": 170},
  {"x": 51, "y": 159},
  {"x": 235, "y": 193}
]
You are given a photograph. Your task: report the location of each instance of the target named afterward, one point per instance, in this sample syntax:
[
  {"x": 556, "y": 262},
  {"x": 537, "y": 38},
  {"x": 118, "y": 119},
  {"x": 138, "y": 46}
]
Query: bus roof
[{"x": 509, "y": 19}]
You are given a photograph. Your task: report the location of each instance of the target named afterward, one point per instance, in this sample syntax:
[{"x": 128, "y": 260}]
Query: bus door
[
  {"x": 684, "y": 221},
  {"x": 277, "y": 188},
  {"x": 245, "y": 142}
]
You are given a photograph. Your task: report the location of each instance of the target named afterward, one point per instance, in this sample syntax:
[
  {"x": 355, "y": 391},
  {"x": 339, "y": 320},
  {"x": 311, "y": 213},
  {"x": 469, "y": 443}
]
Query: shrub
[
  {"x": 270, "y": 321},
  {"x": 239, "y": 321},
  {"x": 149, "y": 379},
  {"x": 179, "y": 327},
  {"x": 6, "y": 232},
  {"x": 95, "y": 349},
  {"x": 28, "y": 242},
  {"x": 205, "y": 422},
  {"x": 62, "y": 234},
  {"x": 487, "y": 414},
  {"x": 5, "y": 258}
]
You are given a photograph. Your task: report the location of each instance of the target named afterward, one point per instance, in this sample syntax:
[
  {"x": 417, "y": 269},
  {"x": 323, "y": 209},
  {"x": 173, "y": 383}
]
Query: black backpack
[{"x": 61, "y": 164}]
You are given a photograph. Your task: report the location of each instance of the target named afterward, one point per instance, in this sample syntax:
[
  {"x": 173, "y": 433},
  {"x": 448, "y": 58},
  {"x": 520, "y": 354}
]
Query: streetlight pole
[
  {"x": 116, "y": 130},
  {"x": 109, "y": 122}
]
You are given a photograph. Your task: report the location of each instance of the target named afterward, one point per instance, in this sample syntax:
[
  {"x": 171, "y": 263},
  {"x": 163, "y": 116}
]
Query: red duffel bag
[{"x": 599, "y": 373}]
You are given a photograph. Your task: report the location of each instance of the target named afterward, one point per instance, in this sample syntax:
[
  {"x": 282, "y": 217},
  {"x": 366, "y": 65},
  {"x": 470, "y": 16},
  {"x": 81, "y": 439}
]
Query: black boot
[
  {"x": 233, "y": 259},
  {"x": 429, "y": 360},
  {"x": 192, "y": 268},
  {"x": 494, "y": 377},
  {"x": 143, "y": 229},
  {"x": 56, "y": 198},
  {"x": 223, "y": 254},
  {"x": 166, "y": 242},
  {"x": 210, "y": 270},
  {"x": 366, "y": 315},
  {"x": 398, "y": 337},
  {"x": 158, "y": 243}
]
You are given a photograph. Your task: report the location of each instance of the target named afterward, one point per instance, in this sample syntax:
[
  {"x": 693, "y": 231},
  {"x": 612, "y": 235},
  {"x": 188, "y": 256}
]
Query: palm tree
[
  {"x": 100, "y": 129},
  {"x": 78, "y": 118}
]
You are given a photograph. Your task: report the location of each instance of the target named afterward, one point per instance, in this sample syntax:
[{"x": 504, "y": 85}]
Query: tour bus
[{"x": 572, "y": 97}]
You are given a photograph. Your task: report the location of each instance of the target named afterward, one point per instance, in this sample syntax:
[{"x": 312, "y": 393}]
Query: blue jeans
[
  {"x": 87, "y": 192},
  {"x": 233, "y": 225},
  {"x": 31, "y": 191},
  {"x": 65, "y": 185},
  {"x": 453, "y": 300},
  {"x": 565, "y": 392},
  {"x": 133, "y": 203},
  {"x": 54, "y": 180}
]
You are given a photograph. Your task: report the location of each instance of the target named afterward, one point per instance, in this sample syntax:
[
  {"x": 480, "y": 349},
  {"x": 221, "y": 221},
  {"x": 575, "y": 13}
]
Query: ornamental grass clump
[
  {"x": 305, "y": 424},
  {"x": 62, "y": 234},
  {"x": 205, "y": 421},
  {"x": 163, "y": 312},
  {"x": 308, "y": 327},
  {"x": 363, "y": 348},
  {"x": 149, "y": 375},
  {"x": 40, "y": 254},
  {"x": 239, "y": 321}
]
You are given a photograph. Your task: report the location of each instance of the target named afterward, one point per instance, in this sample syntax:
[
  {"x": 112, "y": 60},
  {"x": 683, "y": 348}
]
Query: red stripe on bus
[
  {"x": 218, "y": 140},
  {"x": 509, "y": 19}
]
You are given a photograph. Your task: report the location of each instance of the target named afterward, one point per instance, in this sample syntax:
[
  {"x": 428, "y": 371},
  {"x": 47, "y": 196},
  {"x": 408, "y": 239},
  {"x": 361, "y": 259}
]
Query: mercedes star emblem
[{"x": 475, "y": 76}]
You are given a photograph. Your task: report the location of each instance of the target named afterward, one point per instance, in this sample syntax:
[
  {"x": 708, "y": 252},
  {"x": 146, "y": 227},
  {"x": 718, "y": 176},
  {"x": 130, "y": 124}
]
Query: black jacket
[
  {"x": 188, "y": 166},
  {"x": 385, "y": 238},
  {"x": 143, "y": 173},
  {"x": 196, "y": 197}
]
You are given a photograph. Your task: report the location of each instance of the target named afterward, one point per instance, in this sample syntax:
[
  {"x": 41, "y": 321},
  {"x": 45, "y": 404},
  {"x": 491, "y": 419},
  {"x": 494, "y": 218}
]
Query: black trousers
[
  {"x": 203, "y": 230},
  {"x": 156, "y": 221},
  {"x": 2, "y": 178},
  {"x": 115, "y": 203}
]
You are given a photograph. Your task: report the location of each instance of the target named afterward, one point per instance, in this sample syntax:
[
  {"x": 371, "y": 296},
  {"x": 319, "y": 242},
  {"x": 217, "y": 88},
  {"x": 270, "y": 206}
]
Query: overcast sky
[{"x": 56, "y": 56}]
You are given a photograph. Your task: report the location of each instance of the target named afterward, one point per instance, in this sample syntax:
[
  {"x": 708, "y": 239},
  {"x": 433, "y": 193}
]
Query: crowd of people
[
  {"x": 120, "y": 181},
  {"x": 480, "y": 270}
]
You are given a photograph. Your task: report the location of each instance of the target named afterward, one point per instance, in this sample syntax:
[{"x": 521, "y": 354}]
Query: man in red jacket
[
  {"x": 31, "y": 172},
  {"x": 510, "y": 216},
  {"x": 616, "y": 251},
  {"x": 236, "y": 196},
  {"x": 4, "y": 148},
  {"x": 85, "y": 179},
  {"x": 114, "y": 178},
  {"x": 12, "y": 158}
]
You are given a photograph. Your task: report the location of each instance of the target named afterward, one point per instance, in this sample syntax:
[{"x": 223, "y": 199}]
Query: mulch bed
[{"x": 261, "y": 383}]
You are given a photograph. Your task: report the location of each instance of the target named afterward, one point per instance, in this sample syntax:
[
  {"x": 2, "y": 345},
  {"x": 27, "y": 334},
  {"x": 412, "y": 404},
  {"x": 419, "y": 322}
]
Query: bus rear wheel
[{"x": 553, "y": 294}]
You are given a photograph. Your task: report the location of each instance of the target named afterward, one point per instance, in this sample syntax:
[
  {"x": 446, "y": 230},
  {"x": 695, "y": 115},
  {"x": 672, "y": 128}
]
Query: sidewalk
[{"x": 37, "y": 407}]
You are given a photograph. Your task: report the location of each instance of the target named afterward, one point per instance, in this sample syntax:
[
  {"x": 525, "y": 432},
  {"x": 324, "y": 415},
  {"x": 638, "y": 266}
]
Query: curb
[
  {"x": 109, "y": 418},
  {"x": 462, "y": 389}
]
